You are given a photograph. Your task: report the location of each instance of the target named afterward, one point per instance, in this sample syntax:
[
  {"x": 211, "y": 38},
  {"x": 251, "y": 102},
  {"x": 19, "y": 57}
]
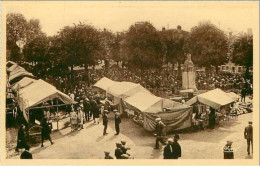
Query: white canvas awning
[
  {"x": 39, "y": 92},
  {"x": 125, "y": 89},
  {"x": 214, "y": 98},
  {"x": 233, "y": 95},
  {"x": 19, "y": 75},
  {"x": 145, "y": 102},
  {"x": 23, "y": 83},
  {"x": 104, "y": 83}
]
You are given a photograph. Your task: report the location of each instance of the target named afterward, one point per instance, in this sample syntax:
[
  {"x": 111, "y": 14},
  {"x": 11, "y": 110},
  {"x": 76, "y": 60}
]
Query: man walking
[
  {"x": 117, "y": 121},
  {"x": 176, "y": 148},
  {"x": 105, "y": 121},
  {"x": 248, "y": 134},
  {"x": 45, "y": 133},
  {"x": 159, "y": 129}
]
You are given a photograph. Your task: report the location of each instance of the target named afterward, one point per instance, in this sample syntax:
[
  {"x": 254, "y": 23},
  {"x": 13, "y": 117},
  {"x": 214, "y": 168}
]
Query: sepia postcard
[{"x": 121, "y": 83}]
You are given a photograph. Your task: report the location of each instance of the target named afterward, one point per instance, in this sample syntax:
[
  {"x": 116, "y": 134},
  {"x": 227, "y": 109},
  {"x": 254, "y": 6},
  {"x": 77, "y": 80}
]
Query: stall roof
[
  {"x": 125, "y": 89},
  {"x": 20, "y": 74},
  {"x": 145, "y": 101},
  {"x": 39, "y": 92},
  {"x": 233, "y": 95},
  {"x": 214, "y": 98},
  {"x": 104, "y": 83},
  {"x": 23, "y": 83}
]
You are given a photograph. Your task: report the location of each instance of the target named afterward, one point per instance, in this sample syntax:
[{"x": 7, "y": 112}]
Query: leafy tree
[
  {"x": 79, "y": 44},
  {"x": 208, "y": 45},
  {"x": 243, "y": 51},
  {"x": 144, "y": 46},
  {"x": 175, "y": 44},
  {"x": 19, "y": 32},
  {"x": 16, "y": 25}
]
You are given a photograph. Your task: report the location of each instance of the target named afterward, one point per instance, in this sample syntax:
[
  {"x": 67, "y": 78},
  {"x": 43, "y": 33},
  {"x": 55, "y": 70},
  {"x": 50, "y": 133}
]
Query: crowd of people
[{"x": 89, "y": 106}]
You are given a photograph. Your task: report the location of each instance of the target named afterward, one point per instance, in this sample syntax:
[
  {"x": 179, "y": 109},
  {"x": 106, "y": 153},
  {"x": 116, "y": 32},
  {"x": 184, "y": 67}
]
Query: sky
[{"x": 118, "y": 16}]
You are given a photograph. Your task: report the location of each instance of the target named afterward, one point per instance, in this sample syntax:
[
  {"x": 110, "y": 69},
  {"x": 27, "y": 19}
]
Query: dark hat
[
  {"x": 250, "y": 122},
  {"x": 123, "y": 141},
  {"x": 106, "y": 152},
  {"x": 176, "y": 137}
]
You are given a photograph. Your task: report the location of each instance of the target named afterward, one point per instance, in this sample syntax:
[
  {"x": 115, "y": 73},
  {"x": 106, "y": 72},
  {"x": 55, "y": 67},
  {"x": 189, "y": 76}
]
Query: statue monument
[{"x": 188, "y": 74}]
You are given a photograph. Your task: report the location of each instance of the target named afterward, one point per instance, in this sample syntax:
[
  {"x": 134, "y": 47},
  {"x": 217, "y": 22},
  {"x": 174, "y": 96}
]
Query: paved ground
[{"x": 89, "y": 143}]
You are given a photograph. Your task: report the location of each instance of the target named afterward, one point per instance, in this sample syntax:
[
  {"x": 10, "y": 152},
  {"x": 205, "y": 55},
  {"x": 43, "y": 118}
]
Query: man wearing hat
[
  {"x": 26, "y": 154},
  {"x": 118, "y": 151},
  {"x": 107, "y": 156},
  {"x": 248, "y": 134},
  {"x": 117, "y": 121},
  {"x": 176, "y": 148},
  {"x": 105, "y": 121},
  {"x": 124, "y": 148},
  {"x": 86, "y": 107},
  {"x": 228, "y": 151},
  {"x": 167, "y": 152},
  {"x": 159, "y": 129}
]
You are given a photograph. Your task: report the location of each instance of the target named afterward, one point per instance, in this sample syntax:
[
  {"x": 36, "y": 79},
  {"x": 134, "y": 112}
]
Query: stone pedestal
[{"x": 188, "y": 75}]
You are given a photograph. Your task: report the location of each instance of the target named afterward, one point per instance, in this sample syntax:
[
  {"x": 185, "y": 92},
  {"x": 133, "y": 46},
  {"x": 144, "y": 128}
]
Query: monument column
[{"x": 188, "y": 74}]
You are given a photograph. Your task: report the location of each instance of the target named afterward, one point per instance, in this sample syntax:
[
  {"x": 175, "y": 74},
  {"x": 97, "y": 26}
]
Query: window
[
  {"x": 227, "y": 67},
  {"x": 233, "y": 69}
]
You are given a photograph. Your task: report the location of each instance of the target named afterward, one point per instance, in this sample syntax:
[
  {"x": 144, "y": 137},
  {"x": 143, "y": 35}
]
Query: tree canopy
[
  {"x": 208, "y": 45},
  {"x": 243, "y": 51},
  {"x": 144, "y": 45}
]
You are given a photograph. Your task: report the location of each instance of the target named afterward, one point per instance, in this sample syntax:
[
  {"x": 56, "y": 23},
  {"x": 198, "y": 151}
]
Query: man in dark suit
[
  {"x": 46, "y": 131},
  {"x": 105, "y": 121},
  {"x": 176, "y": 148},
  {"x": 26, "y": 154},
  {"x": 167, "y": 153},
  {"x": 117, "y": 121},
  {"x": 118, "y": 151},
  {"x": 248, "y": 134}
]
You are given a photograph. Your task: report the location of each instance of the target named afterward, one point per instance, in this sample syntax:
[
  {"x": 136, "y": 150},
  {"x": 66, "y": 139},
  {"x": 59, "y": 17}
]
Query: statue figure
[{"x": 188, "y": 74}]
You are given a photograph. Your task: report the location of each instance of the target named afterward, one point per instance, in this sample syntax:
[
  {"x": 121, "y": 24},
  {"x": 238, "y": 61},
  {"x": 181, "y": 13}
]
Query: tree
[
  {"x": 79, "y": 45},
  {"x": 19, "y": 32},
  {"x": 208, "y": 45},
  {"x": 144, "y": 46},
  {"x": 175, "y": 43},
  {"x": 16, "y": 25},
  {"x": 243, "y": 51}
]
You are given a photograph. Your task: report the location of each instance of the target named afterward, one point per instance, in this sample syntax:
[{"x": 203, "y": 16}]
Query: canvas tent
[
  {"x": 233, "y": 95},
  {"x": 214, "y": 98},
  {"x": 177, "y": 117},
  {"x": 22, "y": 83},
  {"x": 9, "y": 64},
  {"x": 104, "y": 83},
  {"x": 125, "y": 89},
  {"x": 145, "y": 102},
  {"x": 40, "y": 92},
  {"x": 18, "y": 76}
]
